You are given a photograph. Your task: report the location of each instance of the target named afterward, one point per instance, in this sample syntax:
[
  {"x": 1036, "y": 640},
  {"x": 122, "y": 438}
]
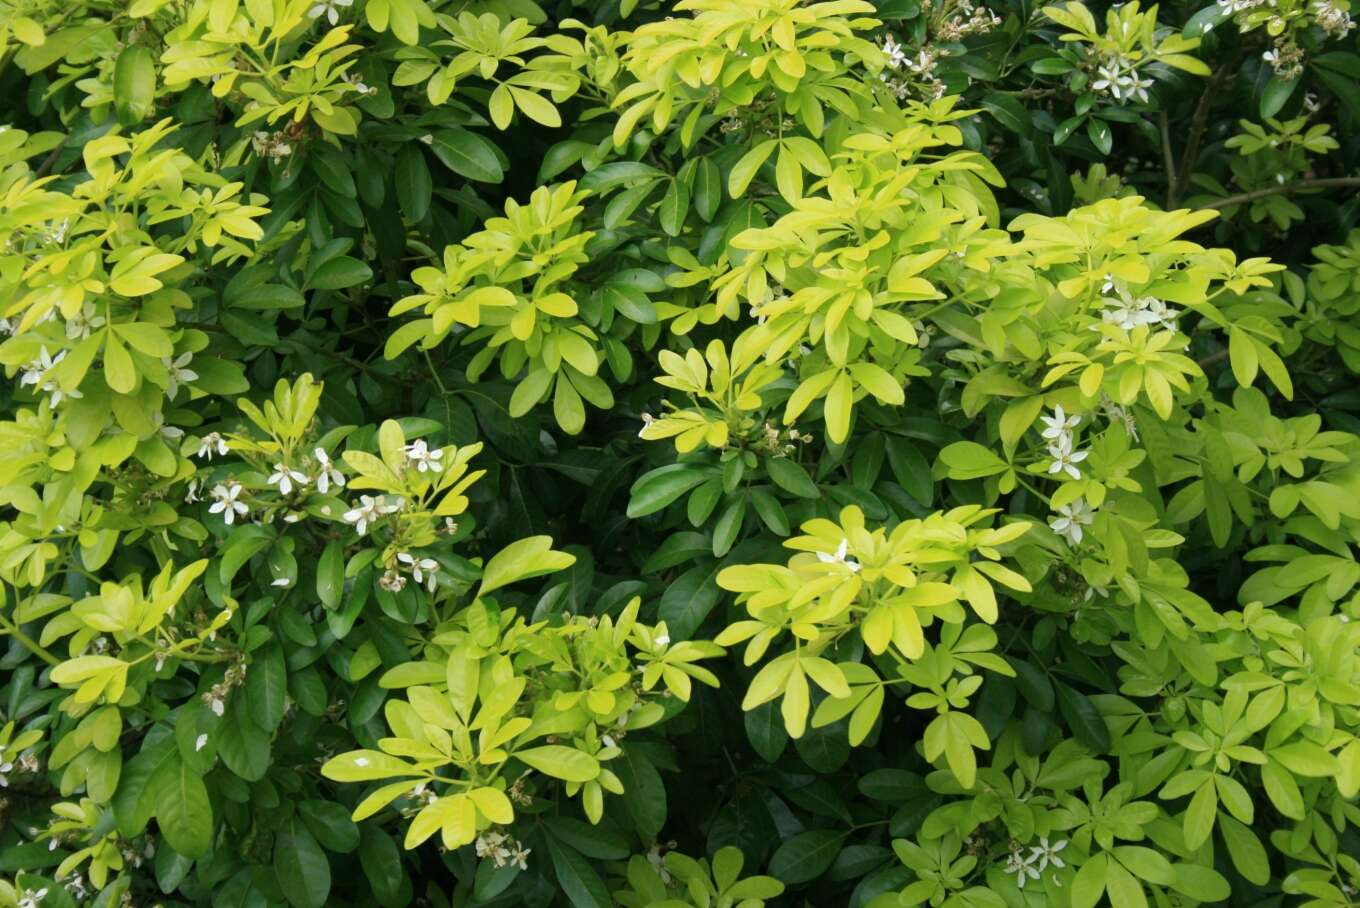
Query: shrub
[{"x": 706, "y": 453}]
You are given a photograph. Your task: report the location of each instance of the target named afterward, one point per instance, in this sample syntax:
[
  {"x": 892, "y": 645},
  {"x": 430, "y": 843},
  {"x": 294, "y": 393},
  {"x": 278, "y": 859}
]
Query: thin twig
[
  {"x": 1181, "y": 177},
  {"x": 1282, "y": 189}
]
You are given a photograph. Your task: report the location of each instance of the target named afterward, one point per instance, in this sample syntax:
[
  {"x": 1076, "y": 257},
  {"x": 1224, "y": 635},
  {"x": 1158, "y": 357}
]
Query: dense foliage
[{"x": 711, "y": 453}]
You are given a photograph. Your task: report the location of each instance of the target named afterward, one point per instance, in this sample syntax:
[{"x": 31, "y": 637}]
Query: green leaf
[
  {"x": 1009, "y": 112},
  {"x": 1125, "y": 891},
  {"x": 183, "y": 811},
  {"x": 656, "y": 489},
  {"x": 266, "y": 687},
  {"x": 578, "y": 880},
  {"x": 1199, "y": 816},
  {"x": 303, "y": 872},
  {"x": 381, "y": 859},
  {"x": 1245, "y": 849},
  {"x": 1089, "y": 882},
  {"x": 806, "y": 856},
  {"x": 790, "y": 476},
  {"x": 531, "y": 557},
  {"x": 468, "y": 155},
  {"x": 1081, "y": 716},
  {"x": 330, "y": 574},
  {"x": 415, "y": 188},
  {"x": 1098, "y": 131},
  {"x": 566, "y": 763}
]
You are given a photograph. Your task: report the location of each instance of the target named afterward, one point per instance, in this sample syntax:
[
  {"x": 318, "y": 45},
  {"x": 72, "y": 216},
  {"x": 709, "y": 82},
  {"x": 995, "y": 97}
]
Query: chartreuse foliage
[{"x": 714, "y": 453}]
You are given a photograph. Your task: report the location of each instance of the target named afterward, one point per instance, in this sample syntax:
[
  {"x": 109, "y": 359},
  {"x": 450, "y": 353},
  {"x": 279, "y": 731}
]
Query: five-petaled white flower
[
  {"x": 1072, "y": 517},
  {"x": 368, "y": 511},
  {"x": 284, "y": 477},
  {"x": 1065, "y": 459},
  {"x": 330, "y": 9},
  {"x": 422, "y": 569},
  {"x": 37, "y": 374},
  {"x": 225, "y": 502},
  {"x": 896, "y": 55},
  {"x": 179, "y": 371},
  {"x": 1059, "y": 424},
  {"x": 31, "y": 897},
  {"x": 1022, "y": 867},
  {"x": 1047, "y": 854},
  {"x": 210, "y": 444},
  {"x": 839, "y": 558},
  {"x": 425, "y": 458},
  {"x": 329, "y": 475}
]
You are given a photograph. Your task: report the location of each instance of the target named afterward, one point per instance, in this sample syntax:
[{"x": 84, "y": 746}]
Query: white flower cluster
[
  {"x": 1028, "y": 867},
  {"x": 369, "y": 511},
  {"x": 1127, "y": 311},
  {"x": 1286, "y": 58},
  {"x": 79, "y": 326},
  {"x": 272, "y": 145},
  {"x": 922, "y": 67},
  {"x": 216, "y": 696},
  {"x": 37, "y": 373},
  {"x": 1117, "y": 76},
  {"x": 1058, "y": 433},
  {"x": 968, "y": 20},
  {"x": 1332, "y": 19},
  {"x": 502, "y": 849}
]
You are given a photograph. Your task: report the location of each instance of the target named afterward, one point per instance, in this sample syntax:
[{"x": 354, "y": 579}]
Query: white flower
[
  {"x": 79, "y": 326},
  {"x": 1065, "y": 459},
  {"x": 1046, "y": 853},
  {"x": 226, "y": 503},
  {"x": 839, "y": 557},
  {"x": 218, "y": 706},
  {"x": 1272, "y": 57},
  {"x": 1059, "y": 425},
  {"x": 1022, "y": 868},
  {"x": 31, "y": 898},
  {"x": 329, "y": 475},
  {"x": 368, "y": 511},
  {"x": 36, "y": 372},
  {"x": 179, "y": 371},
  {"x": 5, "y": 768},
  {"x": 420, "y": 568},
  {"x": 329, "y": 9},
  {"x": 191, "y": 493},
  {"x": 210, "y": 444},
  {"x": 420, "y": 454},
  {"x": 284, "y": 477},
  {"x": 896, "y": 56},
  {"x": 200, "y": 742},
  {"x": 1072, "y": 517},
  {"x": 662, "y": 640}
]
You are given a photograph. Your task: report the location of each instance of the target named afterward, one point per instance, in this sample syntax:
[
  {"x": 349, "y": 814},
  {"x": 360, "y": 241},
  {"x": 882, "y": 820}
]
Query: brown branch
[
  {"x": 1180, "y": 178},
  {"x": 1282, "y": 189}
]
